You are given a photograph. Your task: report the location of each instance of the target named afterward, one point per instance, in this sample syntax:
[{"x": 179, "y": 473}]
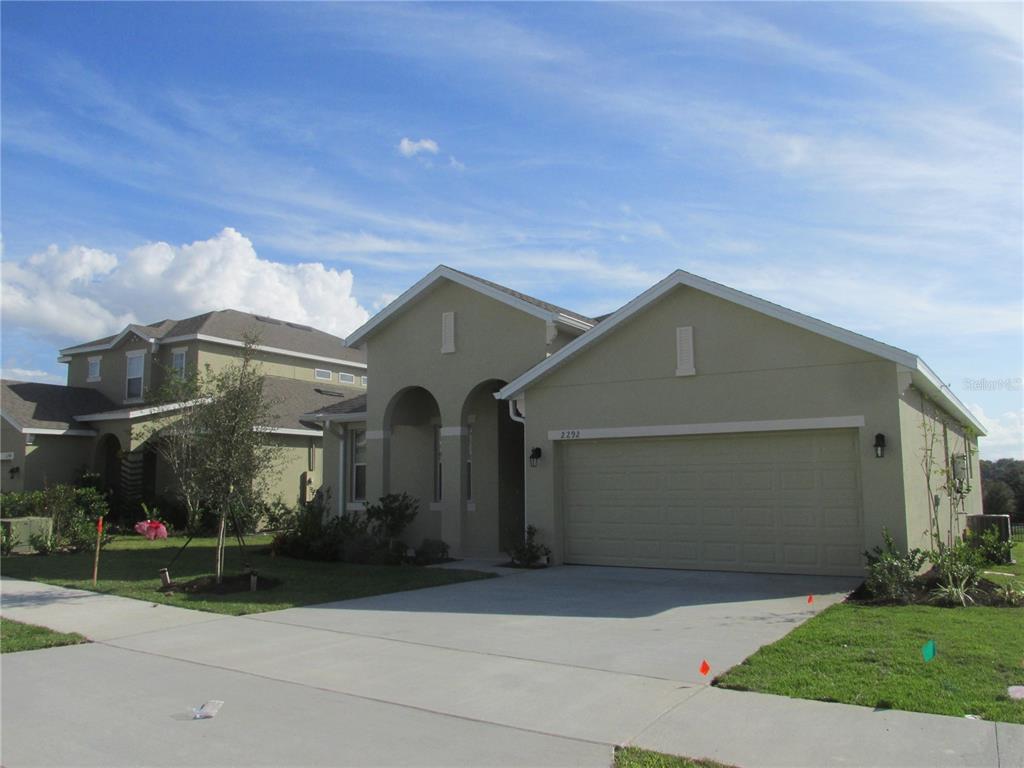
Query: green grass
[
  {"x": 634, "y": 757},
  {"x": 871, "y": 656},
  {"x": 1016, "y": 570},
  {"x": 15, "y": 636},
  {"x": 129, "y": 567}
]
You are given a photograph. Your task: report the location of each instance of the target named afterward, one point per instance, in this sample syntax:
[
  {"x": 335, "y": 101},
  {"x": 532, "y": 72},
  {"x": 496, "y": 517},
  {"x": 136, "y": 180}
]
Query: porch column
[{"x": 453, "y": 503}]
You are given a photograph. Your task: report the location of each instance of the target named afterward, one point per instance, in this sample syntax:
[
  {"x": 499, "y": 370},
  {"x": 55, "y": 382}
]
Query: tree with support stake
[{"x": 216, "y": 444}]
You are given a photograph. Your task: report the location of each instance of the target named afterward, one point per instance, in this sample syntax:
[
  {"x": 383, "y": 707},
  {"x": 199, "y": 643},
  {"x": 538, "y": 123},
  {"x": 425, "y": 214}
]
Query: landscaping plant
[
  {"x": 530, "y": 553},
  {"x": 390, "y": 516},
  {"x": 891, "y": 572}
]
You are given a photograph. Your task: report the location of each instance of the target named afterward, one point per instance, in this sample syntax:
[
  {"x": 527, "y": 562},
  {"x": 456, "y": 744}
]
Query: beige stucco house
[
  {"x": 101, "y": 421},
  {"x": 696, "y": 427}
]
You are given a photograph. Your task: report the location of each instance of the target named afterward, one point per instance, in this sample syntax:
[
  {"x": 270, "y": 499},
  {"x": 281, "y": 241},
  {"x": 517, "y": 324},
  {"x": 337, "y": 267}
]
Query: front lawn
[
  {"x": 1003, "y": 574},
  {"x": 871, "y": 656},
  {"x": 15, "y": 636},
  {"x": 634, "y": 757},
  {"x": 129, "y": 566}
]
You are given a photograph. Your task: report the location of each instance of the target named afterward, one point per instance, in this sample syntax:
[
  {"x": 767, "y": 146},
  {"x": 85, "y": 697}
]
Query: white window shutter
[
  {"x": 684, "y": 352},
  {"x": 447, "y": 332}
]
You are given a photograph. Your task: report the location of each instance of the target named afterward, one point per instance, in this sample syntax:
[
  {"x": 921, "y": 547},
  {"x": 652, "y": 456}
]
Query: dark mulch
[
  {"x": 207, "y": 585},
  {"x": 984, "y": 593}
]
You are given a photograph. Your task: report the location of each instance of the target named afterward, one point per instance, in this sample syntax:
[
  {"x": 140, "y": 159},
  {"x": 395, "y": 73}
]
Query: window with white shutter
[
  {"x": 684, "y": 352},
  {"x": 447, "y": 332}
]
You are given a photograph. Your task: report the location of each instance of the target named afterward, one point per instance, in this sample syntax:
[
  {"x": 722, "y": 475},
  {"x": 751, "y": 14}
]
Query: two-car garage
[{"x": 784, "y": 502}]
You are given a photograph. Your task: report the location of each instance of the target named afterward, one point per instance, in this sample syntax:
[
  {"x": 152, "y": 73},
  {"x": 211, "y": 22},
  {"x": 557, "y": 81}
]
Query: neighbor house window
[
  {"x": 346, "y": 378},
  {"x": 134, "y": 369},
  {"x": 469, "y": 463},
  {"x": 322, "y": 373},
  {"x": 438, "y": 466},
  {"x": 178, "y": 362},
  {"x": 94, "y": 369},
  {"x": 357, "y": 452},
  {"x": 364, "y": 380}
]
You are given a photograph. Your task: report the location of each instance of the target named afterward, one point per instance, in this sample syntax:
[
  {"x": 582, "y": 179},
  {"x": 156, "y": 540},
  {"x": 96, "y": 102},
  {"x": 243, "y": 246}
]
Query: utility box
[
  {"x": 21, "y": 530},
  {"x": 979, "y": 524}
]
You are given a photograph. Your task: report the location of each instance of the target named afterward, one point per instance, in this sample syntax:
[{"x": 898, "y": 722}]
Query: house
[
  {"x": 101, "y": 422},
  {"x": 696, "y": 427}
]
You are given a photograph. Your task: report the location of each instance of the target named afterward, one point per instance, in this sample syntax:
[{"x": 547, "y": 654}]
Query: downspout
[{"x": 513, "y": 411}]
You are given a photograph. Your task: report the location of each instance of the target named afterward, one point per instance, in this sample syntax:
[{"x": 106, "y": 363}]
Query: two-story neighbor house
[
  {"x": 695, "y": 427},
  {"x": 98, "y": 422}
]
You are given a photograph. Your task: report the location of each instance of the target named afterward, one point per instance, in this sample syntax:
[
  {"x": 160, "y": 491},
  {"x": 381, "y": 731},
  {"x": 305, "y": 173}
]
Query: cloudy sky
[{"x": 858, "y": 162}]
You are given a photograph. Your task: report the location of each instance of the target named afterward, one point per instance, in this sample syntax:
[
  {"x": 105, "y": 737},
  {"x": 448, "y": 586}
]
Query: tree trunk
[{"x": 220, "y": 549}]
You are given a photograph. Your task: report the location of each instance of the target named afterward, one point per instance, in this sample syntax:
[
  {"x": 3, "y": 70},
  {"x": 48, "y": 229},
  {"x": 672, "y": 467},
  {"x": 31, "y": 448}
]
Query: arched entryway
[
  {"x": 493, "y": 473},
  {"x": 415, "y": 460}
]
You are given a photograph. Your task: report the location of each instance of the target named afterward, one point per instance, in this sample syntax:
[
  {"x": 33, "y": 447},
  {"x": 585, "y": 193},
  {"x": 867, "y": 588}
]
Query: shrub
[
  {"x": 42, "y": 543},
  {"x": 991, "y": 547},
  {"x": 529, "y": 554},
  {"x": 1011, "y": 594},
  {"x": 958, "y": 568},
  {"x": 390, "y": 516},
  {"x": 308, "y": 534},
  {"x": 8, "y": 540},
  {"x": 73, "y": 512},
  {"x": 891, "y": 573},
  {"x": 431, "y": 551}
]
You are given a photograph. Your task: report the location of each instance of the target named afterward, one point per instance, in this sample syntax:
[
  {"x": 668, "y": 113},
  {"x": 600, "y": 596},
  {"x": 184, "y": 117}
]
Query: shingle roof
[
  {"x": 49, "y": 406},
  {"x": 294, "y": 398},
  {"x": 355, "y": 405},
  {"x": 237, "y": 326},
  {"x": 529, "y": 299}
]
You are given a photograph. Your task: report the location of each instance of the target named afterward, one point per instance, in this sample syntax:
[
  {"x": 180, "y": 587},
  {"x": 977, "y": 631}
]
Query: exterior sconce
[
  {"x": 534, "y": 456},
  {"x": 879, "y": 445},
  {"x": 14, "y": 472}
]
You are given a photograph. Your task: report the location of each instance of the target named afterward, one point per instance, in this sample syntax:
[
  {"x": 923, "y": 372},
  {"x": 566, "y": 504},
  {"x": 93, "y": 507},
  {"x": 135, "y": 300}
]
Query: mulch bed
[
  {"x": 207, "y": 585},
  {"x": 984, "y": 593}
]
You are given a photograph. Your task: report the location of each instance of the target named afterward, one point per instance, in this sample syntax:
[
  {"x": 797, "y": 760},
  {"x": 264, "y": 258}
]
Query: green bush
[
  {"x": 529, "y": 554},
  {"x": 958, "y": 570},
  {"x": 8, "y": 540},
  {"x": 431, "y": 551},
  {"x": 891, "y": 572},
  {"x": 390, "y": 516},
  {"x": 308, "y": 533},
  {"x": 991, "y": 547},
  {"x": 74, "y": 512}
]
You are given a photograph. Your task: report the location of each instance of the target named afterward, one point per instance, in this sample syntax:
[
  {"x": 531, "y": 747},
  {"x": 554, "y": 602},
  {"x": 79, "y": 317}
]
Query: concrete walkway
[{"x": 519, "y": 671}]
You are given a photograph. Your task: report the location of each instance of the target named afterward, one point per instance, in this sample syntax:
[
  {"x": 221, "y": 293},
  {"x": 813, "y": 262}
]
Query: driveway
[{"x": 542, "y": 667}]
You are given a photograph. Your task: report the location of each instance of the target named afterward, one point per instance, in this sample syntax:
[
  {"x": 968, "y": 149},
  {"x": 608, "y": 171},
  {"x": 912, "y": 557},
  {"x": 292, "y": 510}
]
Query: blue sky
[{"x": 859, "y": 162}]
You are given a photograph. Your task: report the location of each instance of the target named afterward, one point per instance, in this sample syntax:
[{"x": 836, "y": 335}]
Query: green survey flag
[{"x": 928, "y": 650}]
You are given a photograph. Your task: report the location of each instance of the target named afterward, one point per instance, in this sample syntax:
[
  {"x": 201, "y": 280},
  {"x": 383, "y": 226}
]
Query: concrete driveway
[{"x": 544, "y": 667}]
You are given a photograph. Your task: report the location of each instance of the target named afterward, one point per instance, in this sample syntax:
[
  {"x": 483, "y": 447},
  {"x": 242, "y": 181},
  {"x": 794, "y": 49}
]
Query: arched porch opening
[
  {"x": 415, "y": 461},
  {"x": 493, "y": 473}
]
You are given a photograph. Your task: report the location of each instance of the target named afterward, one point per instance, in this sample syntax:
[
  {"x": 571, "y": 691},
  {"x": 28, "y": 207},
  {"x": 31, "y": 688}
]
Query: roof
[
  {"x": 528, "y": 304},
  {"x": 293, "y": 400},
  {"x": 922, "y": 376},
  {"x": 232, "y": 326},
  {"x": 31, "y": 407},
  {"x": 343, "y": 407}
]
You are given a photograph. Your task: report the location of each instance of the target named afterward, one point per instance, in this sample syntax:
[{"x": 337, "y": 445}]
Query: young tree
[{"x": 216, "y": 443}]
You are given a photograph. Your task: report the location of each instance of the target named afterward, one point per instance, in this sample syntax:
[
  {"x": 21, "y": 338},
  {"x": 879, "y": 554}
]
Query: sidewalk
[{"x": 372, "y": 681}]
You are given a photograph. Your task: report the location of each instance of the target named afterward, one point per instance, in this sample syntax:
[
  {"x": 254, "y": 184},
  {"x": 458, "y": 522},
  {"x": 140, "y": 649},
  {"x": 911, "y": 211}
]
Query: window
[
  {"x": 346, "y": 378},
  {"x": 438, "y": 471},
  {"x": 178, "y": 362},
  {"x": 469, "y": 463},
  {"x": 364, "y": 380},
  {"x": 312, "y": 456},
  {"x": 322, "y": 374},
  {"x": 357, "y": 460},
  {"x": 94, "y": 369},
  {"x": 136, "y": 364}
]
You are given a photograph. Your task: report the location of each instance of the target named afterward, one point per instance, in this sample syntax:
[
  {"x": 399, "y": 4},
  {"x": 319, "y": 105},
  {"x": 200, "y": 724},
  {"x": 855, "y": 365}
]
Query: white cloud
[
  {"x": 82, "y": 293},
  {"x": 1005, "y": 438},
  {"x": 410, "y": 148},
  {"x": 31, "y": 374}
]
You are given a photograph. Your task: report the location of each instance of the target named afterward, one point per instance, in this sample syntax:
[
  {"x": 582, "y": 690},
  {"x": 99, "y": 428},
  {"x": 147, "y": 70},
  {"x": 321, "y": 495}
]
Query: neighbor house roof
[
  {"x": 34, "y": 408},
  {"x": 231, "y": 327},
  {"x": 922, "y": 376},
  {"x": 528, "y": 304},
  {"x": 342, "y": 410}
]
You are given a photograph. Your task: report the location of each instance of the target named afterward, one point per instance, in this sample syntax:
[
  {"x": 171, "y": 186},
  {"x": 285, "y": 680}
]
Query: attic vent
[
  {"x": 684, "y": 352},
  {"x": 328, "y": 392},
  {"x": 447, "y": 332},
  {"x": 264, "y": 319},
  {"x": 299, "y": 326}
]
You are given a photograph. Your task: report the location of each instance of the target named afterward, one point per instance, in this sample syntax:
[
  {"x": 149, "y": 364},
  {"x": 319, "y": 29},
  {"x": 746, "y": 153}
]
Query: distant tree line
[{"x": 1002, "y": 484}]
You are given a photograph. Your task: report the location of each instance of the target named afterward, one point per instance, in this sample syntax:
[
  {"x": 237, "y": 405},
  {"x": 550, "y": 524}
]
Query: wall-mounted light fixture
[
  {"x": 534, "y": 456},
  {"x": 14, "y": 472},
  {"x": 879, "y": 445}
]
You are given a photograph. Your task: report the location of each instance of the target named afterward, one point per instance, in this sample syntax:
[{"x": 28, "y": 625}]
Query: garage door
[{"x": 786, "y": 502}]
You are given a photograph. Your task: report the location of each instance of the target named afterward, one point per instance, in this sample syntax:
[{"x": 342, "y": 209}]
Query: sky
[{"x": 858, "y": 162}]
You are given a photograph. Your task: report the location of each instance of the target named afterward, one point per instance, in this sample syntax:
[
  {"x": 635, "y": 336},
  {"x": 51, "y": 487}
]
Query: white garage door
[{"x": 786, "y": 502}]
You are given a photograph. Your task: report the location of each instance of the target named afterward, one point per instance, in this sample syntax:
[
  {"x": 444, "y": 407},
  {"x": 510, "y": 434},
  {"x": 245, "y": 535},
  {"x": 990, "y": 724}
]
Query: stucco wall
[
  {"x": 493, "y": 341},
  {"x": 12, "y": 441},
  {"x": 749, "y": 368},
  {"x": 922, "y": 426},
  {"x": 218, "y": 356},
  {"x": 112, "y": 369},
  {"x": 54, "y": 459}
]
